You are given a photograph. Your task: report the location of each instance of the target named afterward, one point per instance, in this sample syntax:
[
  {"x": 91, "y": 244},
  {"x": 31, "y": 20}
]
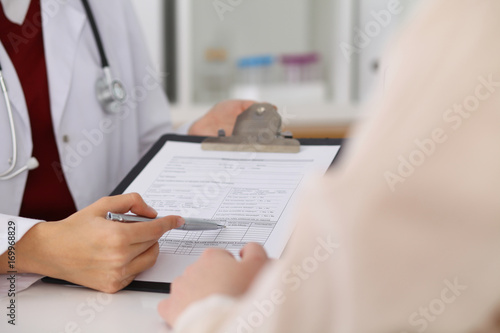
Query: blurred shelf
[
  {"x": 319, "y": 132},
  {"x": 323, "y": 118}
]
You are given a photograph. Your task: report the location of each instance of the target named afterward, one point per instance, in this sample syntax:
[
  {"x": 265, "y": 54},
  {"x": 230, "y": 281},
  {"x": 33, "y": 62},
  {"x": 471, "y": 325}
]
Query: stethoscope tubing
[{"x": 13, "y": 159}]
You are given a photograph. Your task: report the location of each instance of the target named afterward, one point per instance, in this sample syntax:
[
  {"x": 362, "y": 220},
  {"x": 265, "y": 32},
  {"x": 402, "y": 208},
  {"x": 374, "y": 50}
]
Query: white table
[{"x": 62, "y": 309}]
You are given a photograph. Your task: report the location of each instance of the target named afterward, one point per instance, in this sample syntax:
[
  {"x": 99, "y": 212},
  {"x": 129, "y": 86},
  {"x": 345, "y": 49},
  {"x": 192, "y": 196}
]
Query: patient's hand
[{"x": 216, "y": 272}]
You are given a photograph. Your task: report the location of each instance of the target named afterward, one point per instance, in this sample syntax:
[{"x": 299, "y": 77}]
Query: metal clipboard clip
[{"x": 257, "y": 129}]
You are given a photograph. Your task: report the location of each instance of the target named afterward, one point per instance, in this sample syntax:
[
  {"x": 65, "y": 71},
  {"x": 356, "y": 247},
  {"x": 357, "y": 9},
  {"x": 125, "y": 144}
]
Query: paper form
[{"x": 252, "y": 194}]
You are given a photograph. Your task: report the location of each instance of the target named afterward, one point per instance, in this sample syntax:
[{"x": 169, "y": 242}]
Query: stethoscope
[{"x": 110, "y": 92}]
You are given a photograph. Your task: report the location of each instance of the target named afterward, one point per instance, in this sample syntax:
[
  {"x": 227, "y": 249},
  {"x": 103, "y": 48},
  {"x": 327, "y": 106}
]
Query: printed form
[{"x": 252, "y": 194}]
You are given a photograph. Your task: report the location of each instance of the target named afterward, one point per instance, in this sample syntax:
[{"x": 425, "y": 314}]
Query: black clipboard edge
[
  {"x": 164, "y": 287},
  {"x": 150, "y": 287}
]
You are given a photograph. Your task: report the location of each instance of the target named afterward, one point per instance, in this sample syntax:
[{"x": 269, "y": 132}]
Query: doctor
[{"x": 80, "y": 105}]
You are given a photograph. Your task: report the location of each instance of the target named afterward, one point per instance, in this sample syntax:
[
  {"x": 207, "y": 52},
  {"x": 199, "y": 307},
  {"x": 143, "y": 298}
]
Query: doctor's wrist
[{"x": 32, "y": 250}]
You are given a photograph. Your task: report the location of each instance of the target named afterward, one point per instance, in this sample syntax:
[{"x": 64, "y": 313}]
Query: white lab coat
[{"x": 96, "y": 149}]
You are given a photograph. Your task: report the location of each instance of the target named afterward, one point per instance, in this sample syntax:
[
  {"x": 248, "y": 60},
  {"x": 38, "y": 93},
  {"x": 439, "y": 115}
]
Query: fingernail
[{"x": 180, "y": 221}]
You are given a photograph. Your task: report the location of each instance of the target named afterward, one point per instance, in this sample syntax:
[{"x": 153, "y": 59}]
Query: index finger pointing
[{"x": 141, "y": 232}]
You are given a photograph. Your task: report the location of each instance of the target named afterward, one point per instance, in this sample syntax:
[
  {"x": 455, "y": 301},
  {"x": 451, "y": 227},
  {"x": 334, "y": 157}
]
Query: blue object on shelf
[{"x": 256, "y": 61}]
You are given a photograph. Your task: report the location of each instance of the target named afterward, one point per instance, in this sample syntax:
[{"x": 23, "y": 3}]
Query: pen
[{"x": 193, "y": 224}]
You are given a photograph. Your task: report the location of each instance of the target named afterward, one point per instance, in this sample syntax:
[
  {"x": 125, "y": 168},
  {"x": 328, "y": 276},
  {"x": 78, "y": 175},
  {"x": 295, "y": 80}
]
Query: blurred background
[{"x": 317, "y": 60}]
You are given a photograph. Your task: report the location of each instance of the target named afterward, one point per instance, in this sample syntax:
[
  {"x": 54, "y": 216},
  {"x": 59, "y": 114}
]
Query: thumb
[
  {"x": 170, "y": 222},
  {"x": 245, "y": 104}
]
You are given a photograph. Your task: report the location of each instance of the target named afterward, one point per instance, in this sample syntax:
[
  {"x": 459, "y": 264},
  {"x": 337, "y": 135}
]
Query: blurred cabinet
[
  {"x": 377, "y": 21},
  {"x": 315, "y": 59}
]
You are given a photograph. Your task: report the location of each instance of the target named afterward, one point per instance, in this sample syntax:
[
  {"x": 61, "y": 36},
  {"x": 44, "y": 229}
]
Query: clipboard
[
  {"x": 199, "y": 139},
  {"x": 164, "y": 287}
]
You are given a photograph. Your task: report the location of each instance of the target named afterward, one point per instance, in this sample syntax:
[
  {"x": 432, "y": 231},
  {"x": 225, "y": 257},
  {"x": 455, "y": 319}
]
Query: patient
[{"x": 404, "y": 236}]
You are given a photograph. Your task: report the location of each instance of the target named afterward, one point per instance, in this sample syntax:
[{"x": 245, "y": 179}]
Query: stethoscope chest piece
[{"x": 111, "y": 94}]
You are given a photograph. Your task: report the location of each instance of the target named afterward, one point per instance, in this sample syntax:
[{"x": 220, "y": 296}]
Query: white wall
[{"x": 150, "y": 14}]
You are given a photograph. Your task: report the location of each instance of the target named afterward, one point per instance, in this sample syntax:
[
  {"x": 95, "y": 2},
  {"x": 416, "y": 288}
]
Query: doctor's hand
[
  {"x": 216, "y": 272},
  {"x": 89, "y": 250},
  {"x": 221, "y": 116}
]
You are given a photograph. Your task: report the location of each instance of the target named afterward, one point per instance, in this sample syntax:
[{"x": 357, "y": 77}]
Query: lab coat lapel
[{"x": 63, "y": 24}]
